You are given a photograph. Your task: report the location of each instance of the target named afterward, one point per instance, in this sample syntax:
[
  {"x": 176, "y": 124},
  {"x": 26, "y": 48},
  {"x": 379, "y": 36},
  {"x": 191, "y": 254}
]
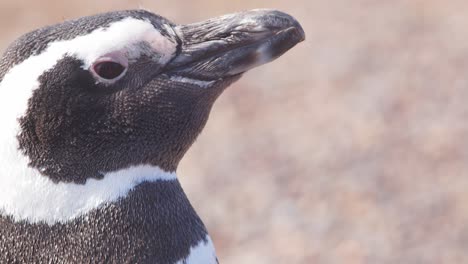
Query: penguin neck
[
  {"x": 154, "y": 223},
  {"x": 26, "y": 195}
]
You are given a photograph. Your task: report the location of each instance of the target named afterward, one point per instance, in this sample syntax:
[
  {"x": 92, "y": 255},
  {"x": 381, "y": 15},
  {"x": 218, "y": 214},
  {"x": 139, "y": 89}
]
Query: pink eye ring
[{"x": 110, "y": 68}]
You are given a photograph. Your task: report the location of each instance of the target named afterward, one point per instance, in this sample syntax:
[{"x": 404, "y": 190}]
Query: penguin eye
[
  {"x": 110, "y": 67},
  {"x": 109, "y": 70}
]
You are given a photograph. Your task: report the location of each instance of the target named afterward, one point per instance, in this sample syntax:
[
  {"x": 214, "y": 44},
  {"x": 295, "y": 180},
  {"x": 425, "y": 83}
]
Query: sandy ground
[{"x": 351, "y": 148}]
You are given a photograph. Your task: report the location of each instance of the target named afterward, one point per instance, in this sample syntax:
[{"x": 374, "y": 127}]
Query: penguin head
[{"x": 110, "y": 91}]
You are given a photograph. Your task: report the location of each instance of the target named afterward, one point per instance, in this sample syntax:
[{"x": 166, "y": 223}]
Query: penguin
[{"x": 97, "y": 112}]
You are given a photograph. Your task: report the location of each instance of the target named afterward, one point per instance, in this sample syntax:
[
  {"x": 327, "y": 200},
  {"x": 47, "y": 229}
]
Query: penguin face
[{"x": 121, "y": 89}]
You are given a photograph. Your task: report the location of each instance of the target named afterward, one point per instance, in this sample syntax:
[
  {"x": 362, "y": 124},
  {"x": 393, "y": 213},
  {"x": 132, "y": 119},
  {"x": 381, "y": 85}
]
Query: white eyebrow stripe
[
  {"x": 117, "y": 37},
  {"x": 200, "y": 83}
]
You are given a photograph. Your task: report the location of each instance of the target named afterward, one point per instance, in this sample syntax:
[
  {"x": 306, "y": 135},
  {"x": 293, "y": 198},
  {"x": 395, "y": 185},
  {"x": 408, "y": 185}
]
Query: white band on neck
[{"x": 35, "y": 198}]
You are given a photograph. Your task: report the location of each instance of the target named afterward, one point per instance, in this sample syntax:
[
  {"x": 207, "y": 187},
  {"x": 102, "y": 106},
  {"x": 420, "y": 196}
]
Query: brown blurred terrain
[{"x": 350, "y": 148}]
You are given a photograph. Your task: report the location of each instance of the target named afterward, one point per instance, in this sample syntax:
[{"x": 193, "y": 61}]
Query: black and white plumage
[{"x": 96, "y": 114}]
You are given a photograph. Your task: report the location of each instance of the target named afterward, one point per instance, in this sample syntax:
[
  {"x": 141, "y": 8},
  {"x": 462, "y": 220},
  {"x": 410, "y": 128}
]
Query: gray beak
[{"x": 232, "y": 44}]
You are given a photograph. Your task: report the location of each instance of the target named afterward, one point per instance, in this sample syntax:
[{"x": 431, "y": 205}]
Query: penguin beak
[{"x": 232, "y": 44}]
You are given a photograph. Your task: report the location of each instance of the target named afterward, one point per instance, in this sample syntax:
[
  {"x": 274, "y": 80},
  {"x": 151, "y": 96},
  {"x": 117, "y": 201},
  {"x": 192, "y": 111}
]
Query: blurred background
[{"x": 350, "y": 148}]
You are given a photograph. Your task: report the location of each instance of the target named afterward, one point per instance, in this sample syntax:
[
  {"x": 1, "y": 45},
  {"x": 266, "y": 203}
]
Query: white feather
[
  {"x": 200, "y": 83},
  {"x": 203, "y": 252}
]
